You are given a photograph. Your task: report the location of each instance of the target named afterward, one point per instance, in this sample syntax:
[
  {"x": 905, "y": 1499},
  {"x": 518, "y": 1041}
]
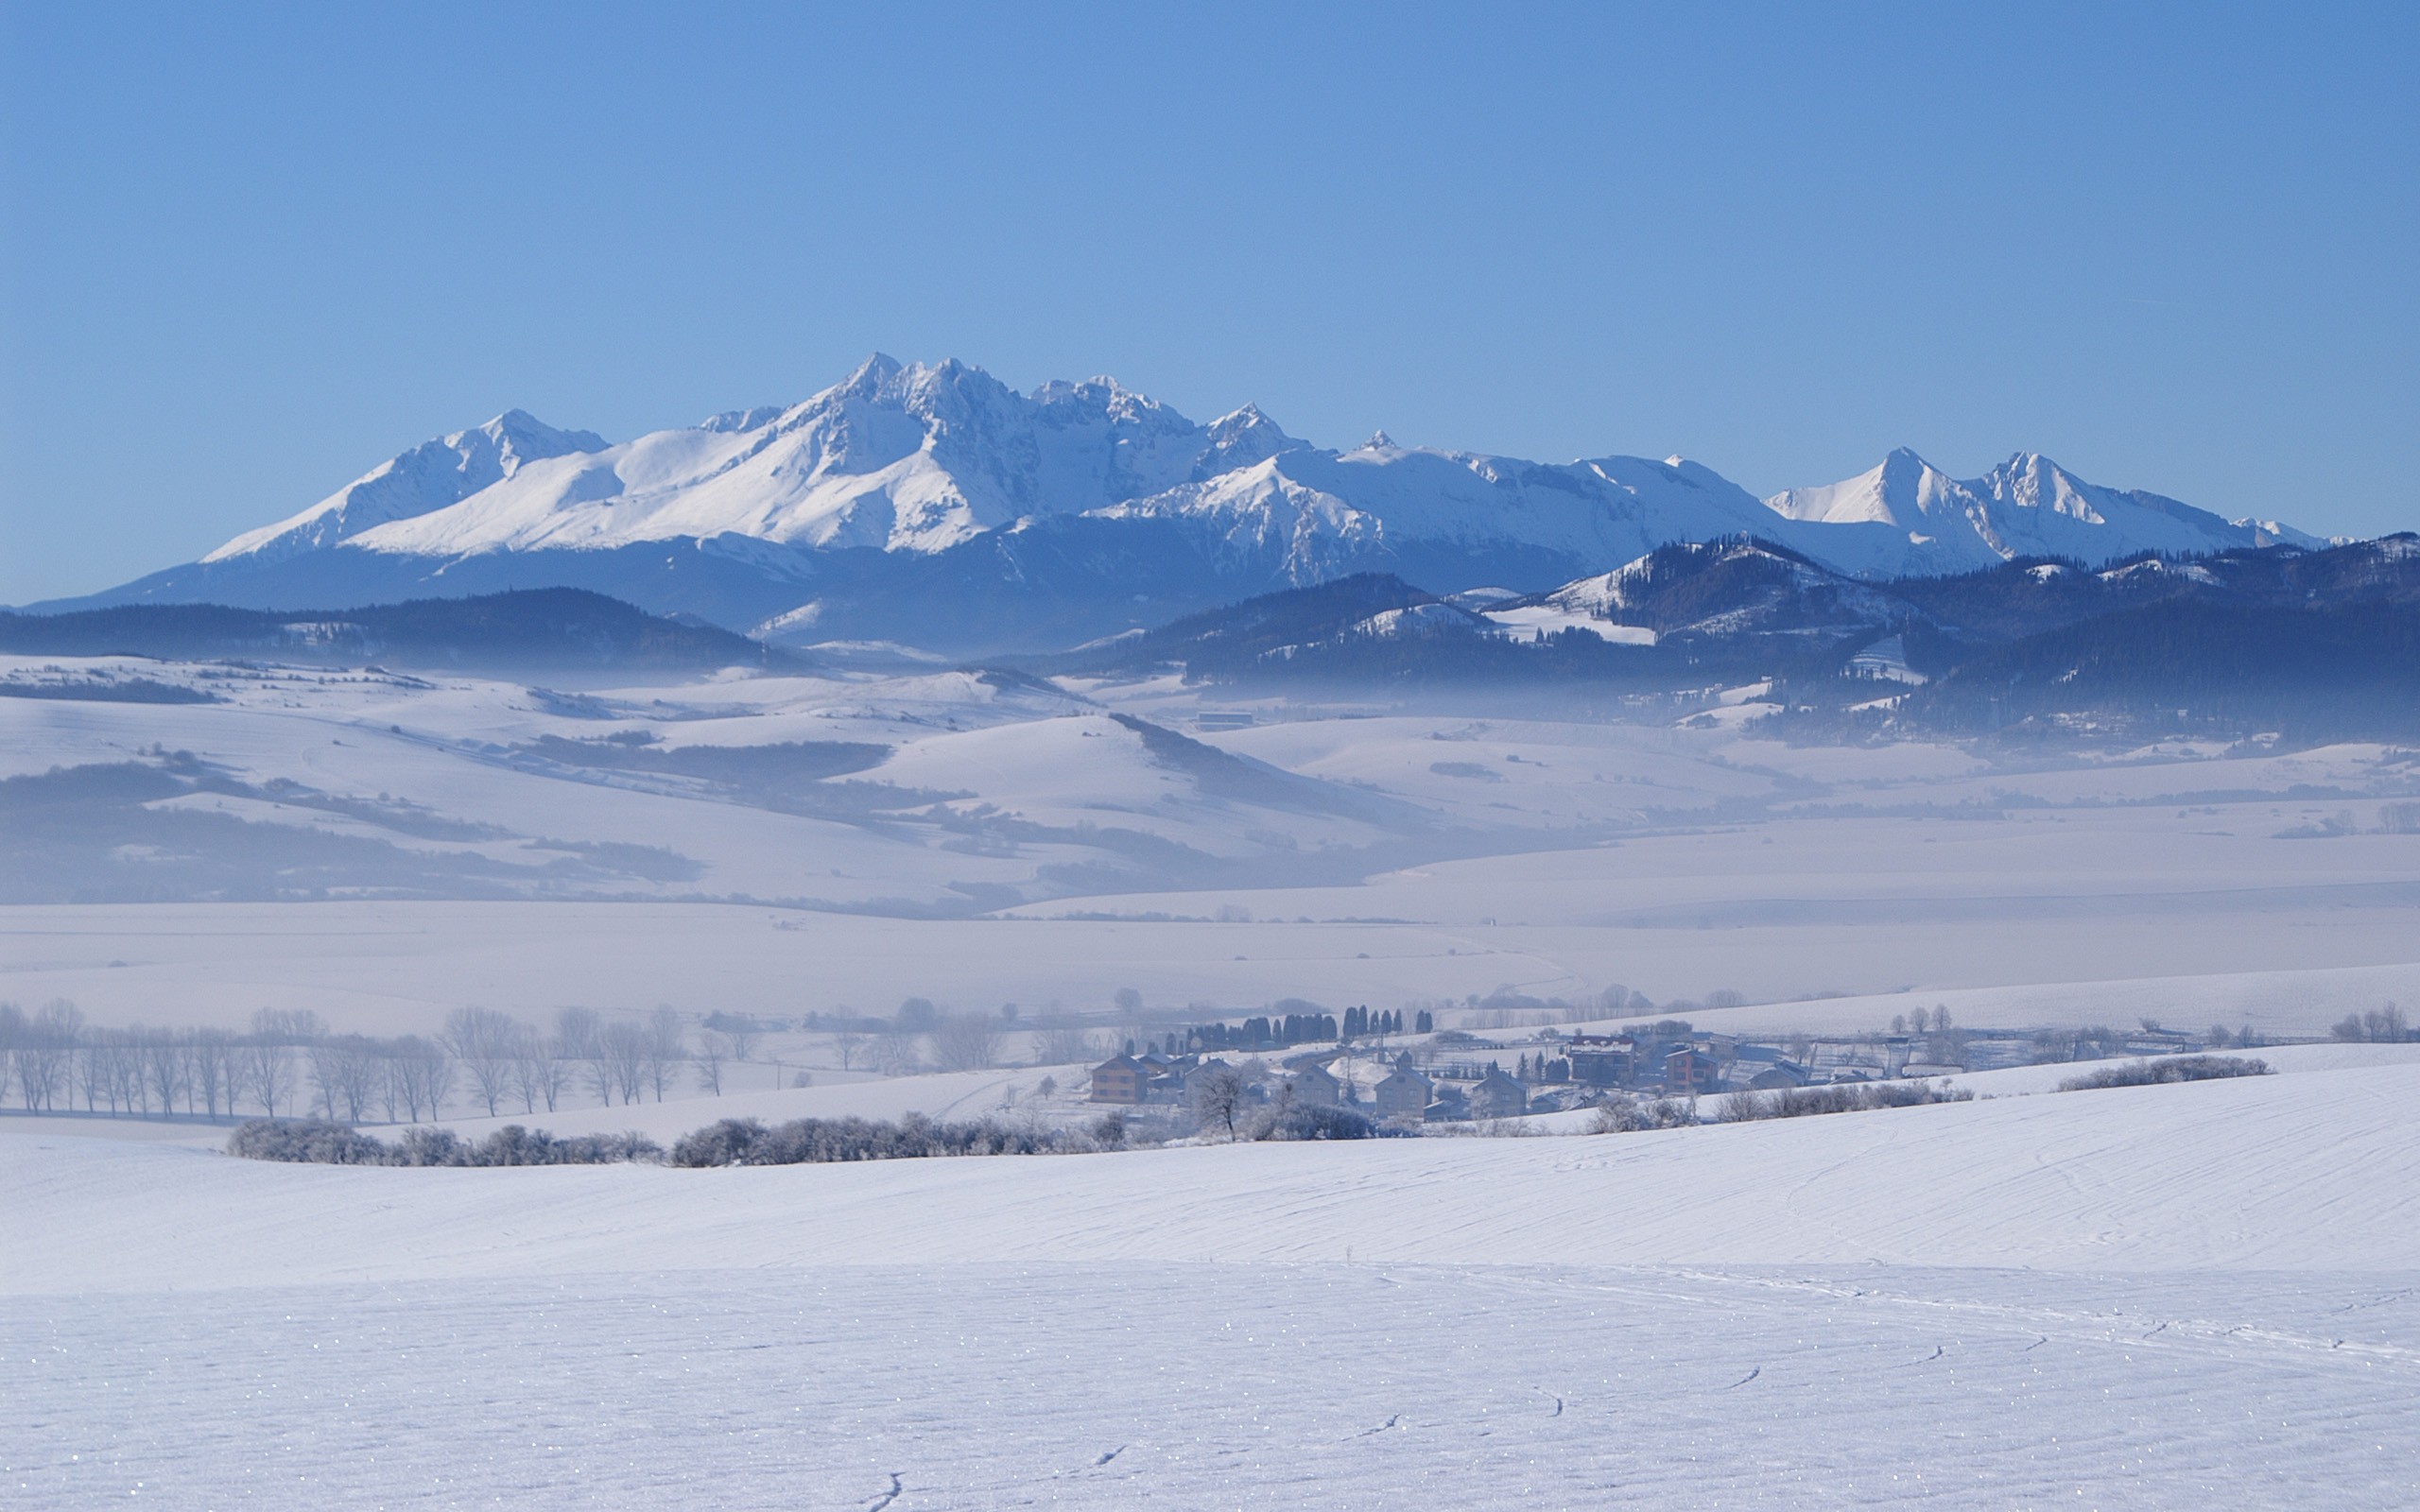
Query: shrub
[
  {"x": 2168, "y": 1069},
  {"x": 328, "y": 1143},
  {"x": 723, "y": 1143},
  {"x": 826, "y": 1141},
  {"x": 1621, "y": 1113},
  {"x": 313, "y": 1139},
  {"x": 1861, "y": 1097},
  {"x": 1306, "y": 1120}
]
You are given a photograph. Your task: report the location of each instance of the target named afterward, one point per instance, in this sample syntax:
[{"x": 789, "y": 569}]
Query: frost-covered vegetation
[
  {"x": 822, "y": 1141},
  {"x": 319, "y": 1142},
  {"x": 2167, "y": 1069},
  {"x": 751, "y": 1142},
  {"x": 1838, "y": 1097}
]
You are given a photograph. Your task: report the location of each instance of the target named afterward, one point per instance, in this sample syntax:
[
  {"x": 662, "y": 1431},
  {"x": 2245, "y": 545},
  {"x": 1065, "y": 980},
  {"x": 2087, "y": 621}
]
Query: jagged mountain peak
[
  {"x": 921, "y": 459},
  {"x": 431, "y": 477}
]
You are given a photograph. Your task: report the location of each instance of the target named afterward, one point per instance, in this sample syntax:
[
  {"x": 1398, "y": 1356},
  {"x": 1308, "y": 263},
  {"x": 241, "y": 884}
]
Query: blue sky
[{"x": 247, "y": 252}]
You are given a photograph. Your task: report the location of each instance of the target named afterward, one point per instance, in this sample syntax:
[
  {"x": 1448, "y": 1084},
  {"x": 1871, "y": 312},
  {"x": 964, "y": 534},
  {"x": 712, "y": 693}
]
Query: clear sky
[{"x": 249, "y": 251}]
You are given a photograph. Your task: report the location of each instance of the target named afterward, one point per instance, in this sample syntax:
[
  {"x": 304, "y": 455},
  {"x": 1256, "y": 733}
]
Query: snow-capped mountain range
[{"x": 936, "y": 503}]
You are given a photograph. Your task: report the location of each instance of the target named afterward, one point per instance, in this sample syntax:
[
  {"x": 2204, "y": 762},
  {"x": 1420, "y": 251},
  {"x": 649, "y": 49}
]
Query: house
[
  {"x": 1405, "y": 1095},
  {"x": 1451, "y": 1107},
  {"x": 1762, "y": 1068},
  {"x": 1688, "y": 1071},
  {"x": 1602, "y": 1059},
  {"x": 1121, "y": 1079},
  {"x": 1498, "y": 1095},
  {"x": 1779, "y": 1076},
  {"x": 1313, "y": 1087},
  {"x": 1191, "y": 1079}
]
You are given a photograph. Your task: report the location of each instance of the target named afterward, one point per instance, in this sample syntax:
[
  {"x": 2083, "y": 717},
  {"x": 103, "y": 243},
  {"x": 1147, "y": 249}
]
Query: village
[{"x": 1457, "y": 1077}]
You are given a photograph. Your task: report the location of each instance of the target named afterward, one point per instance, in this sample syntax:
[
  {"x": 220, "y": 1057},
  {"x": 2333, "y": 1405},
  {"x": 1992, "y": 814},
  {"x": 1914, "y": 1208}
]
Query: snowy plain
[
  {"x": 2178, "y": 1296},
  {"x": 1013, "y": 842}
]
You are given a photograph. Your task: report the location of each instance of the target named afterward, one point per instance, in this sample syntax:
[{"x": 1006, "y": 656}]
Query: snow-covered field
[
  {"x": 2204, "y": 1295},
  {"x": 1012, "y": 842},
  {"x": 2185, "y": 1295}
]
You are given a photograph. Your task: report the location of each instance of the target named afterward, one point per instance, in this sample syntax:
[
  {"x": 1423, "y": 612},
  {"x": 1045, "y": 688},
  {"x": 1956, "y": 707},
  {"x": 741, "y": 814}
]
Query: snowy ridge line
[{"x": 918, "y": 461}]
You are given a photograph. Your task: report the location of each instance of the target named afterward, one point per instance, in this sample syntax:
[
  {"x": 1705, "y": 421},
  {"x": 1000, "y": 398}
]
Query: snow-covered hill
[
  {"x": 2202, "y": 1295},
  {"x": 939, "y": 497}
]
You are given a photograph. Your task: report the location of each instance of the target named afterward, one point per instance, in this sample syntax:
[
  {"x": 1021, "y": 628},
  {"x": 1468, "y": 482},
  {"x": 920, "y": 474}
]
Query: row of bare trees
[{"x": 290, "y": 1064}]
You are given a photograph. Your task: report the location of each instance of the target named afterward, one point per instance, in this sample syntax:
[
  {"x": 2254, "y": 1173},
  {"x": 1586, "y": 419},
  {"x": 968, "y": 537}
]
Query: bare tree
[
  {"x": 666, "y": 1048},
  {"x": 1066, "y": 1047},
  {"x": 554, "y": 1072},
  {"x": 1217, "y": 1094},
  {"x": 623, "y": 1052},
  {"x": 423, "y": 1073},
  {"x": 848, "y": 1041},
  {"x": 267, "y": 1059},
  {"x": 384, "y": 1083},
  {"x": 534, "y": 1072},
  {"x": 709, "y": 1058},
  {"x": 742, "y": 1032},
  {"x": 894, "y": 1052},
  {"x": 966, "y": 1041},
  {"x": 483, "y": 1041},
  {"x": 214, "y": 1067},
  {"x": 165, "y": 1071},
  {"x": 347, "y": 1073},
  {"x": 46, "y": 1053},
  {"x": 581, "y": 1037}
]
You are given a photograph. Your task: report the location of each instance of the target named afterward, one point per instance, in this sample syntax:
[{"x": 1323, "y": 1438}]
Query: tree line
[{"x": 288, "y": 1064}]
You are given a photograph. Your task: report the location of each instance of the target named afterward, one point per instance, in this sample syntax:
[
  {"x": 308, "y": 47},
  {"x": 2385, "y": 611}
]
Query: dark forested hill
[
  {"x": 2187, "y": 663},
  {"x": 547, "y": 627}
]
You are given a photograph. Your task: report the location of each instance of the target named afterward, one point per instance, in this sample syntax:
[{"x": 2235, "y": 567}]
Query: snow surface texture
[
  {"x": 916, "y": 458},
  {"x": 2185, "y": 1295}
]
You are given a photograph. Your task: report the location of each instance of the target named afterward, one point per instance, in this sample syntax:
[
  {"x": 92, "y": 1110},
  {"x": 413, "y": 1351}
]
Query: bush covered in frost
[
  {"x": 1621, "y": 1113},
  {"x": 1307, "y": 1120},
  {"x": 324, "y": 1144},
  {"x": 1837, "y": 1097},
  {"x": 313, "y": 1139},
  {"x": 820, "y": 1141},
  {"x": 2168, "y": 1069}
]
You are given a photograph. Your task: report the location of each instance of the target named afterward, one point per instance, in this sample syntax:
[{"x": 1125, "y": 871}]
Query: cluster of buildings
[
  {"x": 1569, "y": 1070},
  {"x": 1404, "y": 1095}
]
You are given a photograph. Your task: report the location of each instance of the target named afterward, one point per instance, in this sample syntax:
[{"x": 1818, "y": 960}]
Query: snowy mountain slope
[
  {"x": 1908, "y": 518},
  {"x": 1327, "y": 511},
  {"x": 430, "y": 476},
  {"x": 939, "y": 499},
  {"x": 1727, "y": 587},
  {"x": 900, "y": 458}
]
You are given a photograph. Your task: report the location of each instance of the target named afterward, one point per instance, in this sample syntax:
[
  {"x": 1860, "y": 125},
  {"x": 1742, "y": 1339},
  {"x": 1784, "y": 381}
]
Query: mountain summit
[{"x": 937, "y": 502}]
